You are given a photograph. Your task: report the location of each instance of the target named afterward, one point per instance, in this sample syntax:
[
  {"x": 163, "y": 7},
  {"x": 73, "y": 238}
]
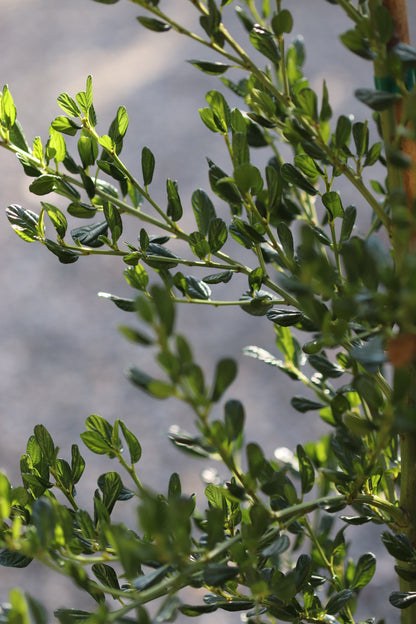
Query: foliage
[{"x": 341, "y": 304}]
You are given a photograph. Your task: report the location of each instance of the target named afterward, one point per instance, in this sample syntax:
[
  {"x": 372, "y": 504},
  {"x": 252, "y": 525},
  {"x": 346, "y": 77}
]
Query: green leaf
[
  {"x": 263, "y": 41},
  {"x": 214, "y": 68},
  {"x": 260, "y": 302},
  {"x": 111, "y": 486},
  {"x": 204, "y": 210},
  {"x": 156, "y": 388},
  {"x": 153, "y": 24},
  {"x": 128, "y": 305},
  {"x": 282, "y": 22},
  {"x": 7, "y": 108},
  {"x": 255, "y": 279},
  {"x": 343, "y": 131},
  {"x": 248, "y": 179},
  {"x": 293, "y": 176},
  {"x": 148, "y": 165},
  {"x": 174, "y": 210},
  {"x": 208, "y": 118},
  {"x": 225, "y": 373},
  {"x": 357, "y": 43},
  {"x": 57, "y": 217},
  {"x": 332, "y": 202},
  {"x": 87, "y": 149},
  {"x": 113, "y": 219},
  {"x": 277, "y": 547},
  {"x": 364, "y": 571},
  {"x": 77, "y": 464},
  {"x": 134, "y": 335},
  {"x": 151, "y": 578},
  {"x": 286, "y": 239},
  {"x": 55, "y": 147},
  {"x": 43, "y": 185},
  {"x": 234, "y": 419},
  {"x": 106, "y": 575},
  {"x": 350, "y": 215},
  {"x": 133, "y": 444},
  {"x": 199, "y": 245},
  {"x": 45, "y": 442},
  {"x": 44, "y": 521},
  {"x": 308, "y": 101},
  {"x": 217, "y": 234},
  {"x": 307, "y": 472},
  {"x": 360, "y": 134},
  {"x": 68, "y": 105},
  {"x": 220, "y": 108},
  {"x": 136, "y": 277}
]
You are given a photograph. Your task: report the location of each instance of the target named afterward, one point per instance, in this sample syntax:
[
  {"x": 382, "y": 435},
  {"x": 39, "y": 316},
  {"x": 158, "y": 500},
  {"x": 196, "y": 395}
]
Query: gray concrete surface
[{"x": 61, "y": 356}]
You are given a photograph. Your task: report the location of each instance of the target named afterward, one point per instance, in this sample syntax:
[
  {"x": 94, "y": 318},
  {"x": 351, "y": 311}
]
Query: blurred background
[{"x": 61, "y": 355}]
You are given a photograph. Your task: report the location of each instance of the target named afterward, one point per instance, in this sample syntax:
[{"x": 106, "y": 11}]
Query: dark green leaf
[
  {"x": 11, "y": 559},
  {"x": 210, "y": 67},
  {"x": 174, "y": 210},
  {"x": 260, "y": 303},
  {"x": 216, "y": 574},
  {"x": 282, "y": 22},
  {"x": 350, "y": 214},
  {"x": 225, "y": 373},
  {"x": 153, "y": 24},
  {"x": 113, "y": 218},
  {"x": 148, "y": 165},
  {"x": 111, "y": 487},
  {"x": 307, "y": 472},
  {"x": 332, "y": 202},
  {"x": 217, "y": 234},
  {"x": 77, "y": 464},
  {"x": 343, "y": 131},
  {"x": 402, "y": 600},
  {"x": 66, "y": 256},
  {"x": 147, "y": 580},
  {"x": 293, "y": 176},
  {"x": 399, "y": 546},
  {"x": 324, "y": 366},
  {"x": 24, "y": 222},
  {"x": 305, "y": 405},
  {"x": 364, "y": 571},
  {"x": 376, "y": 99},
  {"x": 204, "y": 210},
  {"x": 89, "y": 235},
  {"x": 217, "y": 278},
  {"x": 155, "y": 387},
  {"x": 285, "y": 318},
  {"x": 338, "y": 601}
]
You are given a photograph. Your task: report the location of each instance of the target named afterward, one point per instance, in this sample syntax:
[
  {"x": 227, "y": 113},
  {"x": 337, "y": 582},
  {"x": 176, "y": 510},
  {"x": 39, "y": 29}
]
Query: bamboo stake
[{"x": 398, "y": 11}]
